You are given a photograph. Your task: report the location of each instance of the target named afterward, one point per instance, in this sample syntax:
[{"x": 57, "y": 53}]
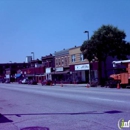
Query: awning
[
  {"x": 30, "y": 75},
  {"x": 17, "y": 75},
  {"x": 40, "y": 75},
  {"x": 61, "y": 72}
]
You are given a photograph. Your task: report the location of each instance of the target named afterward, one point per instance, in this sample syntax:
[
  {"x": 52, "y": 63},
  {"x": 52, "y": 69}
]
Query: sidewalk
[
  {"x": 72, "y": 85},
  {"x": 78, "y": 85}
]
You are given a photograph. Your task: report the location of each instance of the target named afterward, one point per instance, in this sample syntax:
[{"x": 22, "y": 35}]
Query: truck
[{"x": 121, "y": 73}]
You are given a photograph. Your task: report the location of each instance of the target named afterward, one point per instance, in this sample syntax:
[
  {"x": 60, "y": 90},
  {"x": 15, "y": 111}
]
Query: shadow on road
[
  {"x": 113, "y": 112},
  {"x": 77, "y": 113},
  {"x": 3, "y": 119}
]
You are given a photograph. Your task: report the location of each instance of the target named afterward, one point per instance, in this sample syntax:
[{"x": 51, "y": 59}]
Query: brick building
[
  {"x": 61, "y": 72},
  {"x": 10, "y": 70},
  {"x": 35, "y": 71},
  {"x": 48, "y": 62}
]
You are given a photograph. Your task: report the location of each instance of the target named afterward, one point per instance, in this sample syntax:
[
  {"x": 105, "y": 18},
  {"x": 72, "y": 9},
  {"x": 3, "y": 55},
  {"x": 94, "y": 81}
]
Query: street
[{"x": 62, "y": 108}]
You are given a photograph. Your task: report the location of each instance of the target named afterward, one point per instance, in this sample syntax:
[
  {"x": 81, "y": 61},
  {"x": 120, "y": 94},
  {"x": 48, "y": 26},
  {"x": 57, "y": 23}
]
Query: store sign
[
  {"x": 59, "y": 69},
  {"x": 7, "y": 76},
  {"x": 82, "y": 67},
  {"x": 48, "y": 70}
]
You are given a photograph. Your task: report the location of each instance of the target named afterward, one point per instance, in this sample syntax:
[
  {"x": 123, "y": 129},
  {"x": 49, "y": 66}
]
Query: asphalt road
[{"x": 62, "y": 108}]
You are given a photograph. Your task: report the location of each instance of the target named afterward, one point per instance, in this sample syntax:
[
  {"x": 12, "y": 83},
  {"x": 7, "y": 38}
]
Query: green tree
[{"x": 106, "y": 41}]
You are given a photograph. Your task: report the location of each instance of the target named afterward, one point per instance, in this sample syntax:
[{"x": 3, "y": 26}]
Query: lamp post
[
  {"x": 33, "y": 66},
  {"x": 87, "y": 33},
  {"x": 10, "y": 70},
  {"x": 89, "y": 61}
]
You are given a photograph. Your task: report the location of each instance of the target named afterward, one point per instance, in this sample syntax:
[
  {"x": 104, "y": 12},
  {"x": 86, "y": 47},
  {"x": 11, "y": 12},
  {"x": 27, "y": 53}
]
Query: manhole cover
[{"x": 35, "y": 128}]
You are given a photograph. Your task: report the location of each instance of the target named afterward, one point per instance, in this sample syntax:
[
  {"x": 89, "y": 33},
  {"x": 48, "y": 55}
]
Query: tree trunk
[
  {"x": 100, "y": 72},
  {"x": 105, "y": 69}
]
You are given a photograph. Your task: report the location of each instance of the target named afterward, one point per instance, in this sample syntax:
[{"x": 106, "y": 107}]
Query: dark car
[
  {"x": 111, "y": 83},
  {"x": 25, "y": 81},
  {"x": 33, "y": 82},
  {"x": 2, "y": 80},
  {"x": 20, "y": 81},
  {"x": 47, "y": 82},
  {"x": 7, "y": 81}
]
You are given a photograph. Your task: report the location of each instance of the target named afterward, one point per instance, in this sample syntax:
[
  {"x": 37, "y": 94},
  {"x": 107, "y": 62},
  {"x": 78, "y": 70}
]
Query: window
[
  {"x": 50, "y": 64},
  {"x": 56, "y": 62},
  {"x": 73, "y": 58},
  {"x": 59, "y": 61},
  {"x": 62, "y": 61},
  {"x": 65, "y": 61},
  {"x": 81, "y": 57},
  {"x": 68, "y": 60}
]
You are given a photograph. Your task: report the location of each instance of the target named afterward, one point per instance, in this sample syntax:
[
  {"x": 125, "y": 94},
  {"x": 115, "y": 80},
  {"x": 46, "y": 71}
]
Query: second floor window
[
  {"x": 62, "y": 62},
  {"x": 56, "y": 62},
  {"x": 81, "y": 57},
  {"x": 65, "y": 61},
  {"x": 73, "y": 58}
]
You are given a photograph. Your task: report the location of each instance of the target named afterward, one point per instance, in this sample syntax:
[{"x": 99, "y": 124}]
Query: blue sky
[{"x": 46, "y": 26}]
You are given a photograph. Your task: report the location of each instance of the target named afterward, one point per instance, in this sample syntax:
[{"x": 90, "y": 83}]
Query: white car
[{"x": 24, "y": 81}]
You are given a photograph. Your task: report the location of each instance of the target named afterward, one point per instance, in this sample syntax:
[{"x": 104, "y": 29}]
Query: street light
[
  {"x": 10, "y": 70},
  {"x": 89, "y": 61},
  {"x": 33, "y": 66},
  {"x": 87, "y": 33}
]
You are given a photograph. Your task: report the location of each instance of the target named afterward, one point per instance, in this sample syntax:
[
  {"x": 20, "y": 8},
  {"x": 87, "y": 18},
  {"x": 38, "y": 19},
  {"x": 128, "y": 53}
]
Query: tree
[{"x": 106, "y": 41}]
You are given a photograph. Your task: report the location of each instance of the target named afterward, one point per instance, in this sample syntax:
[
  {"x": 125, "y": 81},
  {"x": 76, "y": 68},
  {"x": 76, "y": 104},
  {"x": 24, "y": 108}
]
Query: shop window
[{"x": 73, "y": 58}]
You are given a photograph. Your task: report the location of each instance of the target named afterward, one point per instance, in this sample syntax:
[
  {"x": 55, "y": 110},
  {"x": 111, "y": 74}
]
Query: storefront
[
  {"x": 80, "y": 73},
  {"x": 48, "y": 73},
  {"x": 61, "y": 74},
  {"x": 39, "y": 78}
]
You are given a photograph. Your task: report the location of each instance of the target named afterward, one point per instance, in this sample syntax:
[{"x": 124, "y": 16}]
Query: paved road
[{"x": 62, "y": 108}]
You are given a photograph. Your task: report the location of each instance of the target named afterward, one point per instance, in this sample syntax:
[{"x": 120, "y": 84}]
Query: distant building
[
  {"x": 28, "y": 59},
  {"x": 61, "y": 72},
  {"x": 48, "y": 62},
  {"x": 35, "y": 71},
  {"x": 9, "y": 70}
]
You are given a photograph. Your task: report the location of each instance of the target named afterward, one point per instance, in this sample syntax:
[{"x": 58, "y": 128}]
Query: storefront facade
[
  {"x": 48, "y": 62},
  {"x": 61, "y": 71},
  {"x": 79, "y": 67}
]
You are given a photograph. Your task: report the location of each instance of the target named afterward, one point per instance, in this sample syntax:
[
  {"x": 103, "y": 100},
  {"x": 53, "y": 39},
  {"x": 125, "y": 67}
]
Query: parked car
[
  {"x": 24, "y": 81},
  {"x": 7, "y": 81},
  {"x": 47, "y": 82},
  {"x": 20, "y": 81},
  {"x": 111, "y": 83},
  {"x": 2, "y": 80},
  {"x": 33, "y": 82}
]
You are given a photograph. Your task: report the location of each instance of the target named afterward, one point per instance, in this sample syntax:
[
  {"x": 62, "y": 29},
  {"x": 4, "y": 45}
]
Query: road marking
[{"x": 110, "y": 100}]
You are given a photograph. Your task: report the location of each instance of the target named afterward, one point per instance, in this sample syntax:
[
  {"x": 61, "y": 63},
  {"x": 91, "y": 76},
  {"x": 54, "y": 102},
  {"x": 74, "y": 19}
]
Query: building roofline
[{"x": 74, "y": 47}]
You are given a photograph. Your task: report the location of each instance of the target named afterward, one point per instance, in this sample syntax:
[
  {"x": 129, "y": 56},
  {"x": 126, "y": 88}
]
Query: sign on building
[
  {"x": 48, "y": 70},
  {"x": 7, "y": 76},
  {"x": 59, "y": 69},
  {"x": 82, "y": 67}
]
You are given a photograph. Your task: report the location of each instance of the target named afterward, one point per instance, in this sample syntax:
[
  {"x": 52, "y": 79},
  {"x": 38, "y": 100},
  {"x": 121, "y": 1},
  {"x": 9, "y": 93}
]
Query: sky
[{"x": 46, "y": 26}]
